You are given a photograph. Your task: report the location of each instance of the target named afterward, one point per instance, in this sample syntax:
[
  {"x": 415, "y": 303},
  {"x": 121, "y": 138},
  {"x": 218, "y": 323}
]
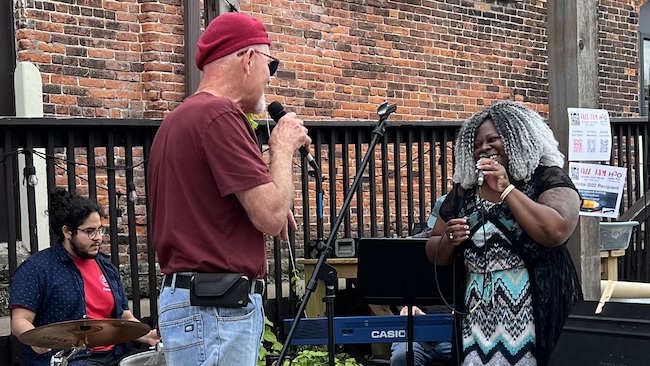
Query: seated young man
[{"x": 71, "y": 280}]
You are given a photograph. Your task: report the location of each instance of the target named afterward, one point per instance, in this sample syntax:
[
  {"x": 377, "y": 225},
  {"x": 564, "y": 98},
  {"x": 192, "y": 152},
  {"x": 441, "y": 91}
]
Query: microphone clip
[{"x": 315, "y": 174}]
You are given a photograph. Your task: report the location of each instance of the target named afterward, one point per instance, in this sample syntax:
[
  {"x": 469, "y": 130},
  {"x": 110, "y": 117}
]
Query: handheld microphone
[
  {"x": 276, "y": 111},
  {"x": 481, "y": 174}
]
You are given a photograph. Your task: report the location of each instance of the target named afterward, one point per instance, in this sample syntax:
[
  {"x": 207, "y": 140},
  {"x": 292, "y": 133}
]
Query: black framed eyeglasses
[
  {"x": 273, "y": 64},
  {"x": 93, "y": 233}
]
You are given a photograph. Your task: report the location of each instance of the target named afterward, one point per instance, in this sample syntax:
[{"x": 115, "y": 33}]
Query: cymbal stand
[
  {"x": 323, "y": 270},
  {"x": 58, "y": 359}
]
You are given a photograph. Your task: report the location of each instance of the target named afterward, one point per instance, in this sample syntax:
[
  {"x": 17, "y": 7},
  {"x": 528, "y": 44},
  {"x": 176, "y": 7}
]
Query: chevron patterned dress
[{"x": 499, "y": 328}]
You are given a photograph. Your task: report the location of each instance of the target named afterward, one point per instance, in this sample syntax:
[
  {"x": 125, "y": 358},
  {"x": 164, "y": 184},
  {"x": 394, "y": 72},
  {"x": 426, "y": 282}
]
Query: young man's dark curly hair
[{"x": 69, "y": 209}]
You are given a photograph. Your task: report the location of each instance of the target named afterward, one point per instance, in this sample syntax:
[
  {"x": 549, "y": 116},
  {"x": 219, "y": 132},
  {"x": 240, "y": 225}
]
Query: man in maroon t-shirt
[{"x": 213, "y": 197}]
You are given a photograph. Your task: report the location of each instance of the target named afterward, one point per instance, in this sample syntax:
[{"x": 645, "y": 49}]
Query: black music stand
[{"x": 396, "y": 271}]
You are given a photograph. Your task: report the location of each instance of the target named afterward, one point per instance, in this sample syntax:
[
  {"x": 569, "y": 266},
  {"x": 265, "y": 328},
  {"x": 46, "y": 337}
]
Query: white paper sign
[
  {"x": 601, "y": 188},
  {"x": 590, "y": 135}
]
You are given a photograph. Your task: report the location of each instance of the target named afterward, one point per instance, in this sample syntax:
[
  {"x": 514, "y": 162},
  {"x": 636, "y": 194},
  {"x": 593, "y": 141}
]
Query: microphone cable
[
  {"x": 454, "y": 312},
  {"x": 435, "y": 265}
]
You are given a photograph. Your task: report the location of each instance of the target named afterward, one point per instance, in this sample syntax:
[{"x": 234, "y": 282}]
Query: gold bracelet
[{"x": 506, "y": 192}]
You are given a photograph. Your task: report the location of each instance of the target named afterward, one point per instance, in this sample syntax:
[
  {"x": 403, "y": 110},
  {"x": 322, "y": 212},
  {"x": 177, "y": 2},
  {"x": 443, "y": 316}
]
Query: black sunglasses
[{"x": 273, "y": 64}]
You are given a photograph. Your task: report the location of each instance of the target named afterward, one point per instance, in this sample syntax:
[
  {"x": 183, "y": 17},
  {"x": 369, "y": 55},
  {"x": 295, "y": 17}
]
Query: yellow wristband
[{"x": 506, "y": 192}]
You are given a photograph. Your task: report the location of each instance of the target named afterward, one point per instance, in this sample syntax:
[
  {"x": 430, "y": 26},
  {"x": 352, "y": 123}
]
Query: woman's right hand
[
  {"x": 457, "y": 230},
  {"x": 446, "y": 237}
]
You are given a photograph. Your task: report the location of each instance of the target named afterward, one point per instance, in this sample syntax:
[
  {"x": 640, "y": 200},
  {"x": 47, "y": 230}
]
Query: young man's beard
[{"x": 79, "y": 252}]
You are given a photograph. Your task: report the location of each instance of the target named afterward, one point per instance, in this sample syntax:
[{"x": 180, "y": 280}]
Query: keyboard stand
[{"x": 349, "y": 349}]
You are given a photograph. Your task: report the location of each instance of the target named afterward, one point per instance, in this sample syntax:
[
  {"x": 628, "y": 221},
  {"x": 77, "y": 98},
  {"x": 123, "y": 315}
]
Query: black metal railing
[
  {"x": 630, "y": 150},
  {"x": 107, "y": 160}
]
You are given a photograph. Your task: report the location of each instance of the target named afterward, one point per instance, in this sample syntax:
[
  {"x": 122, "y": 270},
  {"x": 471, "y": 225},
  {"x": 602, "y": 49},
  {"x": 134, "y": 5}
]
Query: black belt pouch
[{"x": 229, "y": 290}]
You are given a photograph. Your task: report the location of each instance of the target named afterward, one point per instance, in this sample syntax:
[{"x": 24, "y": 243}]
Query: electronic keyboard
[{"x": 371, "y": 329}]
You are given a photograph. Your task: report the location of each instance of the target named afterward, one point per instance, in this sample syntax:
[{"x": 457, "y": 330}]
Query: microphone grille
[{"x": 275, "y": 110}]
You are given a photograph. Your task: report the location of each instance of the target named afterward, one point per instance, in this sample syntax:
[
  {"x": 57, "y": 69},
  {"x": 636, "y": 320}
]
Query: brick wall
[
  {"x": 115, "y": 59},
  {"x": 440, "y": 59},
  {"x": 618, "y": 63}
]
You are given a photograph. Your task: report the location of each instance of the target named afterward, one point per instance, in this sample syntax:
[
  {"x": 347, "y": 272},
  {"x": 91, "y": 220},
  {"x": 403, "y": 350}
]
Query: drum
[{"x": 147, "y": 358}]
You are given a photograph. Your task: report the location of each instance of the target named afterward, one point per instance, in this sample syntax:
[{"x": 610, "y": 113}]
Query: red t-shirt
[
  {"x": 100, "y": 302},
  {"x": 204, "y": 151}
]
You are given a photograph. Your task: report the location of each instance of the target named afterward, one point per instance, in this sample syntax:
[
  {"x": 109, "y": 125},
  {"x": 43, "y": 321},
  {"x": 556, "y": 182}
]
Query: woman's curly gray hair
[{"x": 527, "y": 139}]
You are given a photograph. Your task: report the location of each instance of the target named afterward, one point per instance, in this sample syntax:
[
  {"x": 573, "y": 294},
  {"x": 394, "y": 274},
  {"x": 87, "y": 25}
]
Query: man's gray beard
[{"x": 261, "y": 105}]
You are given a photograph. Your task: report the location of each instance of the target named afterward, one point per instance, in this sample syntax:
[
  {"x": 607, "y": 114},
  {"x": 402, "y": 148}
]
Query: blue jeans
[
  {"x": 199, "y": 335},
  {"x": 422, "y": 353}
]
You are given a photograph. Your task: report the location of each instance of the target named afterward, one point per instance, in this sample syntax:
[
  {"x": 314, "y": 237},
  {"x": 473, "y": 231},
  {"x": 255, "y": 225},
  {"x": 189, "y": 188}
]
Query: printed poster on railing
[
  {"x": 601, "y": 188},
  {"x": 590, "y": 134}
]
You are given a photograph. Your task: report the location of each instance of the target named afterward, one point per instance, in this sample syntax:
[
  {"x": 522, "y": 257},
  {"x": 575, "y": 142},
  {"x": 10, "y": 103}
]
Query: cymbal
[{"x": 88, "y": 332}]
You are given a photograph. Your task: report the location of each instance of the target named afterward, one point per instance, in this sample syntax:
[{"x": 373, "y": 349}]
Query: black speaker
[{"x": 619, "y": 336}]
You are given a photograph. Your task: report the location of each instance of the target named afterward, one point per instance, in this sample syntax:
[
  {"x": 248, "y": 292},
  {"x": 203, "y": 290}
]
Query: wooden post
[
  {"x": 573, "y": 82},
  {"x": 192, "y": 23}
]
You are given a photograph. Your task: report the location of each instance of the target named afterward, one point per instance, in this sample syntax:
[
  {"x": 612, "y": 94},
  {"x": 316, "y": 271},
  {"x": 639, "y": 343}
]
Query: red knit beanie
[{"x": 226, "y": 34}]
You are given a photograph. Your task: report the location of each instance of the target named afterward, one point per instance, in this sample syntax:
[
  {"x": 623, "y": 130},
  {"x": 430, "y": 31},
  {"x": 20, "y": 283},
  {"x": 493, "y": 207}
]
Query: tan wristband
[{"x": 506, "y": 192}]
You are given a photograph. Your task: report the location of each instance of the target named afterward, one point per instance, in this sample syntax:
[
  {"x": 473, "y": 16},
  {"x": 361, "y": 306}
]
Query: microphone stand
[
  {"x": 323, "y": 270},
  {"x": 326, "y": 273}
]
